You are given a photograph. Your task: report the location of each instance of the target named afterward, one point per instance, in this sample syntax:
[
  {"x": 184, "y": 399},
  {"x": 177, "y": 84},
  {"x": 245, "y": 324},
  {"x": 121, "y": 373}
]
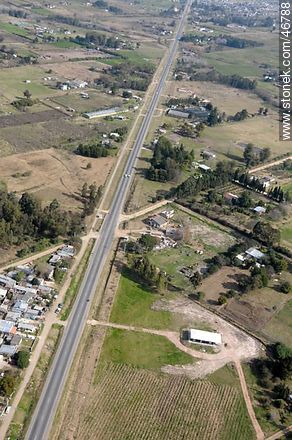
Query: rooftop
[{"x": 201, "y": 335}]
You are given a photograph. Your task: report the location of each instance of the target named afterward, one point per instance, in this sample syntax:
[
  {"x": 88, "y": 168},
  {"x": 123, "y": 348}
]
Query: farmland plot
[{"x": 129, "y": 403}]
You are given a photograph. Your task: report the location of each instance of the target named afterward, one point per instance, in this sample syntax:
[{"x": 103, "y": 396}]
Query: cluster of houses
[{"x": 25, "y": 297}]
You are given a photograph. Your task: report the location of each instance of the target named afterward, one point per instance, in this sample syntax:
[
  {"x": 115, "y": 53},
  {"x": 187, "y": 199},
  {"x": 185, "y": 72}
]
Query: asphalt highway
[{"x": 46, "y": 408}]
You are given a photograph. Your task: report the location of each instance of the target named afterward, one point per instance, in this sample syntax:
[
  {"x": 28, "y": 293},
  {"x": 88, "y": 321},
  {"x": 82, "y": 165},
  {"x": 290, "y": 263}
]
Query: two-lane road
[{"x": 45, "y": 411}]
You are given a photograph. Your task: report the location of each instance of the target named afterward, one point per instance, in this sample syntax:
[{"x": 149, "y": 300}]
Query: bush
[
  {"x": 222, "y": 300},
  {"x": 22, "y": 359},
  {"x": 285, "y": 287}
]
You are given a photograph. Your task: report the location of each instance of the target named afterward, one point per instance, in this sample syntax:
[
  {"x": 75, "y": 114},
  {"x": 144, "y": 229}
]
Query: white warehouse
[{"x": 203, "y": 337}]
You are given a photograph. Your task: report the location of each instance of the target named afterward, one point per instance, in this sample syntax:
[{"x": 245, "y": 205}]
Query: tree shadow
[{"x": 131, "y": 275}]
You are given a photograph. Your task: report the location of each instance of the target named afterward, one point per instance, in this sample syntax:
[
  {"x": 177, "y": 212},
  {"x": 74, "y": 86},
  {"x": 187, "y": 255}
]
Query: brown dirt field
[
  {"x": 221, "y": 281},
  {"x": 74, "y": 70},
  {"x": 252, "y": 316},
  {"x": 53, "y": 174},
  {"x": 29, "y": 118}
]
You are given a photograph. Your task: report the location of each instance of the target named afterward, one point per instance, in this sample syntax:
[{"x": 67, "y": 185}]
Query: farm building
[
  {"x": 203, "y": 337},
  {"x": 204, "y": 167},
  {"x": 103, "y": 113},
  {"x": 158, "y": 221},
  {"x": 267, "y": 181},
  {"x": 255, "y": 253},
  {"x": 177, "y": 113}
]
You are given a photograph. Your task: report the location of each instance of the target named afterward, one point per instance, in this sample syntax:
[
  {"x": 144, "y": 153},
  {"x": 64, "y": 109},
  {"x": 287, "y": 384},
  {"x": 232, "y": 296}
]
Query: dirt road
[
  {"x": 269, "y": 165},
  {"x": 34, "y": 257},
  {"x": 144, "y": 211}
]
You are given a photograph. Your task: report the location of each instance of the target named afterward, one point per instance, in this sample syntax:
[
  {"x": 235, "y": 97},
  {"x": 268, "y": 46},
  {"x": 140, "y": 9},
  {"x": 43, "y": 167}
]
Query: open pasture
[{"x": 50, "y": 174}]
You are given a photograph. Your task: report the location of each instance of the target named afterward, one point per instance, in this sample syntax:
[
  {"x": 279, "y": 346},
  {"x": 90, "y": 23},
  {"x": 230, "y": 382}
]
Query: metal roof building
[
  {"x": 103, "y": 113},
  {"x": 255, "y": 253},
  {"x": 8, "y": 350},
  {"x": 7, "y": 326},
  {"x": 203, "y": 337}
]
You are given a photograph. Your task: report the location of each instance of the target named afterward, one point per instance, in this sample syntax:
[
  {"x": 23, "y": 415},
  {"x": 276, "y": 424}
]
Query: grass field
[
  {"x": 133, "y": 306},
  {"x": 280, "y": 326},
  {"x": 130, "y": 403},
  {"x": 14, "y": 84},
  {"x": 51, "y": 173},
  {"x": 13, "y": 29},
  {"x": 141, "y": 350},
  {"x": 228, "y": 138}
]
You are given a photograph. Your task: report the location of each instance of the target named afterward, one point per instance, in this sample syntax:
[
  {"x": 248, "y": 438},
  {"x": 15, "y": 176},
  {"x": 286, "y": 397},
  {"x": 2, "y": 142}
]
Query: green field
[
  {"x": 141, "y": 350},
  {"x": 14, "y": 84},
  {"x": 13, "y": 29},
  {"x": 133, "y": 306}
]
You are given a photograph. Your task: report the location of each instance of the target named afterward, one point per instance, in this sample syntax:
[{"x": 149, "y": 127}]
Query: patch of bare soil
[
  {"x": 29, "y": 118},
  {"x": 53, "y": 174},
  {"x": 252, "y": 316},
  {"x": 222, "y": 281}
]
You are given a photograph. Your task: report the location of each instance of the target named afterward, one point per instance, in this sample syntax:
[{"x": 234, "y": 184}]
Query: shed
[
  {"x": 204, "y": 337},
  {"x": 255, "y": 253}
]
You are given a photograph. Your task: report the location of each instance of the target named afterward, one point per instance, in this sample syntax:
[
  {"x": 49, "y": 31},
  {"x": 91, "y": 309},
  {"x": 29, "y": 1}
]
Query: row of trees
[
  {"x": 92, "y": 150},
  {"x": 91, "y": 195},
  {"x": 168, "y": 161},
  {"x": 245, "y": 179},
  {"x": 222, "y": 174},
  {"x": 236, "y": 81}
]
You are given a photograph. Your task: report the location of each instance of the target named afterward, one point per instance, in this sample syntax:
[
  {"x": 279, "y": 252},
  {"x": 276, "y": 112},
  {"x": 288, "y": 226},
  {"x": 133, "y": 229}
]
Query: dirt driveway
[{"x": 240, "y": 346}]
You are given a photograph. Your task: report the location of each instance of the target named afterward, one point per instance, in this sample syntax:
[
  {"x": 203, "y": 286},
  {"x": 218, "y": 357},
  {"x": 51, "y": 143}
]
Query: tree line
[{"x": 248, "y": 181}]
